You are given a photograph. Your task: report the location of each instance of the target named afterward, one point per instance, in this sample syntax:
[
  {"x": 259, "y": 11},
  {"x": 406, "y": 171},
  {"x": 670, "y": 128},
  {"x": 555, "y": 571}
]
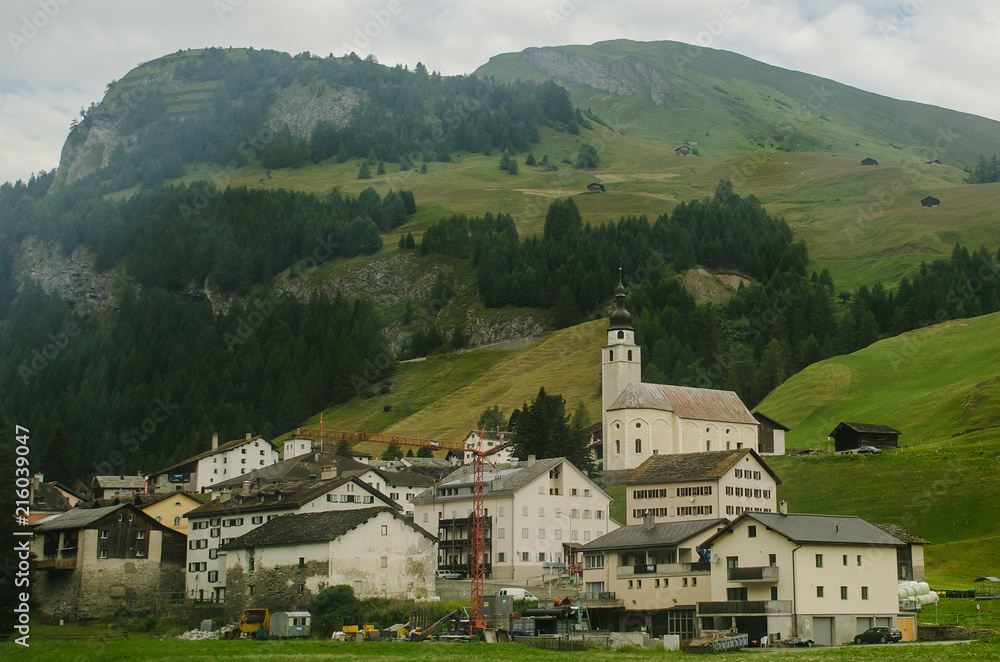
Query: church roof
[
  {"x": 687, "y": 402},
  {"x": 620, "y": 318}
]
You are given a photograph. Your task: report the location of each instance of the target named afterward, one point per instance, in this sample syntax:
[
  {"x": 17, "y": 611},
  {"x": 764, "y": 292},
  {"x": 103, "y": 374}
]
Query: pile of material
[{"x": 197, "y": 635}]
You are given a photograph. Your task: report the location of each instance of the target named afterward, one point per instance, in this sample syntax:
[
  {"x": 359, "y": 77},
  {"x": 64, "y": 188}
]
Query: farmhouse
[
  {"x": 234, "y": 514},
  {"x": 700, "y": 486},
  {"x": 595, "y": 187},
  {"x": 535, "y": 513},
  {"x": 820, "y": 577},
  {"x": 642, "y": 420},
  {"x": 91, "y": 562},
  {"x": 869, "y": 162},
  {"x": 930, "y": 201},
  {"x": 123, "y": 487},
  {"x": 683, "y": 150},
  {"x": 219, "y": 463},
  {"x": 284, "y": 563},
  {"x": 655, "y": 571},
  {"x": 849, "y": 436},
  {"x": 494, "y": 442}
]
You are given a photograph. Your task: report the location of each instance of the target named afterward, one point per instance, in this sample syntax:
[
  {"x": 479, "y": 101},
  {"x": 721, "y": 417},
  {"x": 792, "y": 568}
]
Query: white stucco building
[
  {"x": 535, "y": 513},
  {"x": 641, "y": 420},
  {"x": 285, "y": 563},
  {"x": 216, "y": 465},
  {"x": 400, "y": 486},
  {"x": 234, "y": 514}
]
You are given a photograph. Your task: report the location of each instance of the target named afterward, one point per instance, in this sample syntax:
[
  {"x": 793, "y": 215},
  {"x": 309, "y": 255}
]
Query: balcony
[
  {"x": 766, "y": 574},
  {"x": 595, "y": 599},
  {"x": 56, "y": 564},
  {"x": 663, "y": 569},
  {"x": 745, "y": 608},
  {"x": 456, "y": 543}
]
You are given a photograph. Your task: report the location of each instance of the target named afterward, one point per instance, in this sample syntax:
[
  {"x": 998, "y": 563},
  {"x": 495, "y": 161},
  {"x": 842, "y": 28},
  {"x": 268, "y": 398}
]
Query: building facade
[
  {"x": 218, "y": 464},
  {"x": 534, "y": 512}
]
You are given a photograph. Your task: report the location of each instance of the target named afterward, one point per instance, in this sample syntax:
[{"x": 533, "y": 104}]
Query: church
[{"x": 642, "y": 420}]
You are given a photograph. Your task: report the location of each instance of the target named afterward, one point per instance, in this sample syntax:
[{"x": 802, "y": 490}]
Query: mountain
[{"x": 728, "y": 104}]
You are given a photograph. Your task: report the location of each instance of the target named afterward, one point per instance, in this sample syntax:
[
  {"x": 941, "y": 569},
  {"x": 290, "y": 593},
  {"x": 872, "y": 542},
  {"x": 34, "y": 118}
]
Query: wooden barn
[
  {"x": 595, "y": 187},
  {"x": 930, "y": 201},
  {"x": 770, "y": 436},
  {"x": 869, "y": 162},
  {"x": 683, "y": 150},
  {"x": 848, "y": 436}
]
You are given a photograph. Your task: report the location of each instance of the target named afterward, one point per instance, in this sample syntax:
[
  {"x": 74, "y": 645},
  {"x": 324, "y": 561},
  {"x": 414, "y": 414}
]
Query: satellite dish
[{"x": 715, "y": 558}]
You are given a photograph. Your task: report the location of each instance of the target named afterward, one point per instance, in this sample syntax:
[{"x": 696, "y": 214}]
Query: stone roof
[
  {"x": 512, "y": 479},
  {"x": 679, "y": 467},
  {"x": 821, "y": 529},
  {"x": 78, "y": 518},
  {"x": 283, "y": 495},
  {"x": 900, "y": 533},
  {"x": 403, "y": 477},
  {"x": 47, "y": 498},
  {"x": 865, "y": 427},
  {"x": 125, "y": 482},
  {"x": 668, "y": 534},
  {"x": 686, "y": 401},
  {"x": 314, "y": 527}
]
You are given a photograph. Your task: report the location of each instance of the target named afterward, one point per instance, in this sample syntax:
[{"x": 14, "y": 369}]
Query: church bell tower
[{"x": 621, "y": 361}]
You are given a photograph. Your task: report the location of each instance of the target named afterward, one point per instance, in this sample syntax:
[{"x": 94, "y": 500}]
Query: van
[{"x": 517, "y": 593}]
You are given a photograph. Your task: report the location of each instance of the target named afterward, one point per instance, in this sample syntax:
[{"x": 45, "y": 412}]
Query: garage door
[
  {"x": 823, "y": 630},
  {"x": 883, "y": 621},
  {"x": 864, "y": 622},
  {"x": 906, "y": 627}
]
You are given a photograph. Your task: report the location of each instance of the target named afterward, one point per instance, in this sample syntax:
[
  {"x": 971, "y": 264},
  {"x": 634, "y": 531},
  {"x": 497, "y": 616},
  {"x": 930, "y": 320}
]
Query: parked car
[
  {"x": 880, "y": 635},
  {"x": 869, "y": 449},
  {"x": 448, "y": 574},
  {"x": 517, "y": 593}
]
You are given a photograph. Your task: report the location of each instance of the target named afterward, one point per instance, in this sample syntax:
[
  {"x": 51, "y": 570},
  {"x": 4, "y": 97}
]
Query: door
[
  {"x": 864, "y": 622},
  {"x": 823, "y": 630},
  {"x": 906, "y": 626}
]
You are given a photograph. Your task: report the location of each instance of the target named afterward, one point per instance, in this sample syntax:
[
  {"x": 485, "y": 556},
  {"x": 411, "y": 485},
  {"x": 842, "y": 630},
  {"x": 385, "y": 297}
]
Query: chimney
[
  {"x": 531, "y": 460},
  {"x": 38, "y": 480},
  {"x": 246, "y": 488},
  {"x": 648, "y": 521},
  {"x": 783, "y": 508},
  {"x": 329, "y": 472},
  {"x": 215, "y": 440},
  {"x": 248, "y": 436},
  {"x": 225, "y": 496}
]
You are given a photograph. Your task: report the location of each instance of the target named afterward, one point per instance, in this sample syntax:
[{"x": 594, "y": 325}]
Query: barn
[
  {"x": 930, "y": 201},
  {"x": 848, "y": 436},
  {"x": 869, "y": 162}
]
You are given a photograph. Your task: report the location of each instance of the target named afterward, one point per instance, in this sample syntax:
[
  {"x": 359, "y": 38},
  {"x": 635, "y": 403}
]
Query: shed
[
  {"x": 987, "y": 588},
  {"x": 291, "y": 624},
  {"x": 848, "y": 436},
  {"x": 935, "y": 162},
  {"x": 770, "y": 436},
  {"x": 683, "y": 150},
  {"x": 595, "y": 187},
  {"x": 930, "y": 201},
  {"x": 869, "y": 162}
]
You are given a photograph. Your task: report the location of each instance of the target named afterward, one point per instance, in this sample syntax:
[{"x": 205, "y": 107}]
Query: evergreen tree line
[
  {"x": 177, "y": 236},
  {"x": 146, "y": 386},
  {"x": 403, "y": 116},
  {"x": 987, "y": 171}
]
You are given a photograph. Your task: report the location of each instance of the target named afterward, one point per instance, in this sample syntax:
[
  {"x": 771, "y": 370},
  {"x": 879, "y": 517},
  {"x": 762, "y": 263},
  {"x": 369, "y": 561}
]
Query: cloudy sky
[{"x": 58, "y": 55}]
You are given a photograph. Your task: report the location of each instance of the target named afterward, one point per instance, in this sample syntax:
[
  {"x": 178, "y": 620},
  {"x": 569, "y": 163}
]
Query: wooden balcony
[
  {"x": 766, "y": 574},
  {"x": 56, "y": 564}
]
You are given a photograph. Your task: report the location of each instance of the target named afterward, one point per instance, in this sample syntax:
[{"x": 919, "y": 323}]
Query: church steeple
[{"x": 620, "y": 318}]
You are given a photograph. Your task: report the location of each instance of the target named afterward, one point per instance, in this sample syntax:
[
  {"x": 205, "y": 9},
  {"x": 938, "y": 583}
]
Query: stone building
[
  {"x": 90, "y": 562},
  {"x": 286, "y": 562}
]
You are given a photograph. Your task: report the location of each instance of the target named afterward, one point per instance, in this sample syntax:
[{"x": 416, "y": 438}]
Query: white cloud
[{"x": 931, "y": 51}]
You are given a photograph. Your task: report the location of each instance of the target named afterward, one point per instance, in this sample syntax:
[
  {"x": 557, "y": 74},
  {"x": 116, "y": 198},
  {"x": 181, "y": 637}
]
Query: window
[
  {"x": 819, "y": 591},
  {"x": 586, "y": 514},
  {"x": 501, "y": 557},
  {"x": 751, "y": 531},
  {"x": 541, "y": 489},
  {"x": 259, "y": 519},
  {"x": 708, "y": 445},
  {"x": 102, "y": 553},
  {"x": 524, "y": 533},
  {"x": 772, "y": 560},
  {"x": 638, "y": 583},
  {"x": 819, "y": 560},
  {"x": 611, "y": 353},
  {"x": 864, "y": 592},
  {"x": 525, "y": 556},
  {"x": 732, "y": 561},
  {"x": 558, "y": 534},
  {"x": 859, "y": 560},
  {"x": 657, "y": 583},
  {"x": 541, "y": 534},
  {"x": 586, "y": 492},
  {"x": 177, "y": 521},
  {"x": 598, "y": 514},
  {"x": 104, "y": 534},
  {"x": 630, "y": 584},
  {"x": 500, "y": 511},
  {"x": 573, "y": 491},
  {"x": 302, "y": 561},
  {"x": 252, "y": 563},
  {"x": 213, "y": 576},
  {"x": 541, "y": 512},
  {"x": 250, "y": 589},
  {"x": 541, "y": 557},
  {"x": 685, "y": 582},
  {"x": 214, "y": 533},
  {"x": 213, "y": 553},
  {"x": 694, "y": 581},
  {"x": 774, "y": 592},
  {"x": 638, "y": 445},
  {"x": 302, "y": 588},
  {"x": 630, "y": 355},
  {"x": 618, "y": 446},
  {"x": 586, "y": 535},
  {"x": 593, "y": 561},
  {"x": 843, "y": 592},
  {"x": 733, "y": 594},
  {"x": 845, "y": 559},
  {"x": 394, "y": 496},
  {"x": 500, "y": 533},
  {"x": 385, "y": 561},
  {"x": 385, "y": 530}
]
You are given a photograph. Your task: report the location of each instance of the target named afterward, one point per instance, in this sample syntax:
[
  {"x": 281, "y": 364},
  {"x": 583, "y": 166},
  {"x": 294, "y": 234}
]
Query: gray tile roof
[
  {"x": 403, "y": 477},
  {"x": 686, "y": 401},
  {"x": 513, "y": 478},
  {"x": 127, "y": 482},
  {"x": 229, "y": 445},
  {"x": 292, "y": 495},
  {"x": 865, "y": 427},
  {"x": 314, "y": 527},
  {"x": 679, "y": 467},
  {"x": 822, "y": 529},
  {"x": 78, "y": 518},
  {"x": 668, "y": 534},
  {"x": 47, "y": 498}
]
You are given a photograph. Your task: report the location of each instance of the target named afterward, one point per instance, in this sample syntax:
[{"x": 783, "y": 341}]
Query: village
[{"x": 707, "y": 545}]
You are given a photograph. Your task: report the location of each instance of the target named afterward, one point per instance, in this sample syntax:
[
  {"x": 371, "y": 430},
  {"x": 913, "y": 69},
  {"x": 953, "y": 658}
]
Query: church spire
[{"x": 621, "y": 318}]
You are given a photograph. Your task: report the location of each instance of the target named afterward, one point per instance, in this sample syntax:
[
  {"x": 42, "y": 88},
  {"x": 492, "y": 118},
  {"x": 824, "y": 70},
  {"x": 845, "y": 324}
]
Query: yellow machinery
[{"x": 253, "y": 620}]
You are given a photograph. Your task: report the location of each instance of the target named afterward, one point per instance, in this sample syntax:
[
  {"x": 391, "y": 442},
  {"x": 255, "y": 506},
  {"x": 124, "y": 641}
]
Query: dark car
[{"x": 879, "y": 635}]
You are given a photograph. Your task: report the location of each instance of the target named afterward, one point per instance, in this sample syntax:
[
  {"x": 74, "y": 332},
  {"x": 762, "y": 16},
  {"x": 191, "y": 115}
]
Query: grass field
[{"x": 155, "y": 649}]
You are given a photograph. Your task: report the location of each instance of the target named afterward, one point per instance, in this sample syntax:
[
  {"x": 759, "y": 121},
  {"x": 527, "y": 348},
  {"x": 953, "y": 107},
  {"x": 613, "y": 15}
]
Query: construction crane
[{"x": 477, "y": 537}]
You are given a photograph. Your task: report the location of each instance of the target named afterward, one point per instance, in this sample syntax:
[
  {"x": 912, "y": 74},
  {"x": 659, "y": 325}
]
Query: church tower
[{"x": 621, "y": 363}]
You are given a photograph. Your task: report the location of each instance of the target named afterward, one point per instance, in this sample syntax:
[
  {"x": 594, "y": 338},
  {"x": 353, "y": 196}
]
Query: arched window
[
  {"x": 638, "y": 445},
  {"x": 630, "y": 355},
  {"x": 611, "y": 355},
  {"x": 621, "y": 335},
  {"x": 618, "y": 446},
  {"x": 177, "y": 521},
  {"x": 708, "y": 445}
]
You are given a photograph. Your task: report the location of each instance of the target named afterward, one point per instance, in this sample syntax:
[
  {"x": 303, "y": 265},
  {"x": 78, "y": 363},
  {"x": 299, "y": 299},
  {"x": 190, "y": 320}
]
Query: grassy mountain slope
[
  {"x": 939, "y": 386},
  {"x": 731, "y": 104}
]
